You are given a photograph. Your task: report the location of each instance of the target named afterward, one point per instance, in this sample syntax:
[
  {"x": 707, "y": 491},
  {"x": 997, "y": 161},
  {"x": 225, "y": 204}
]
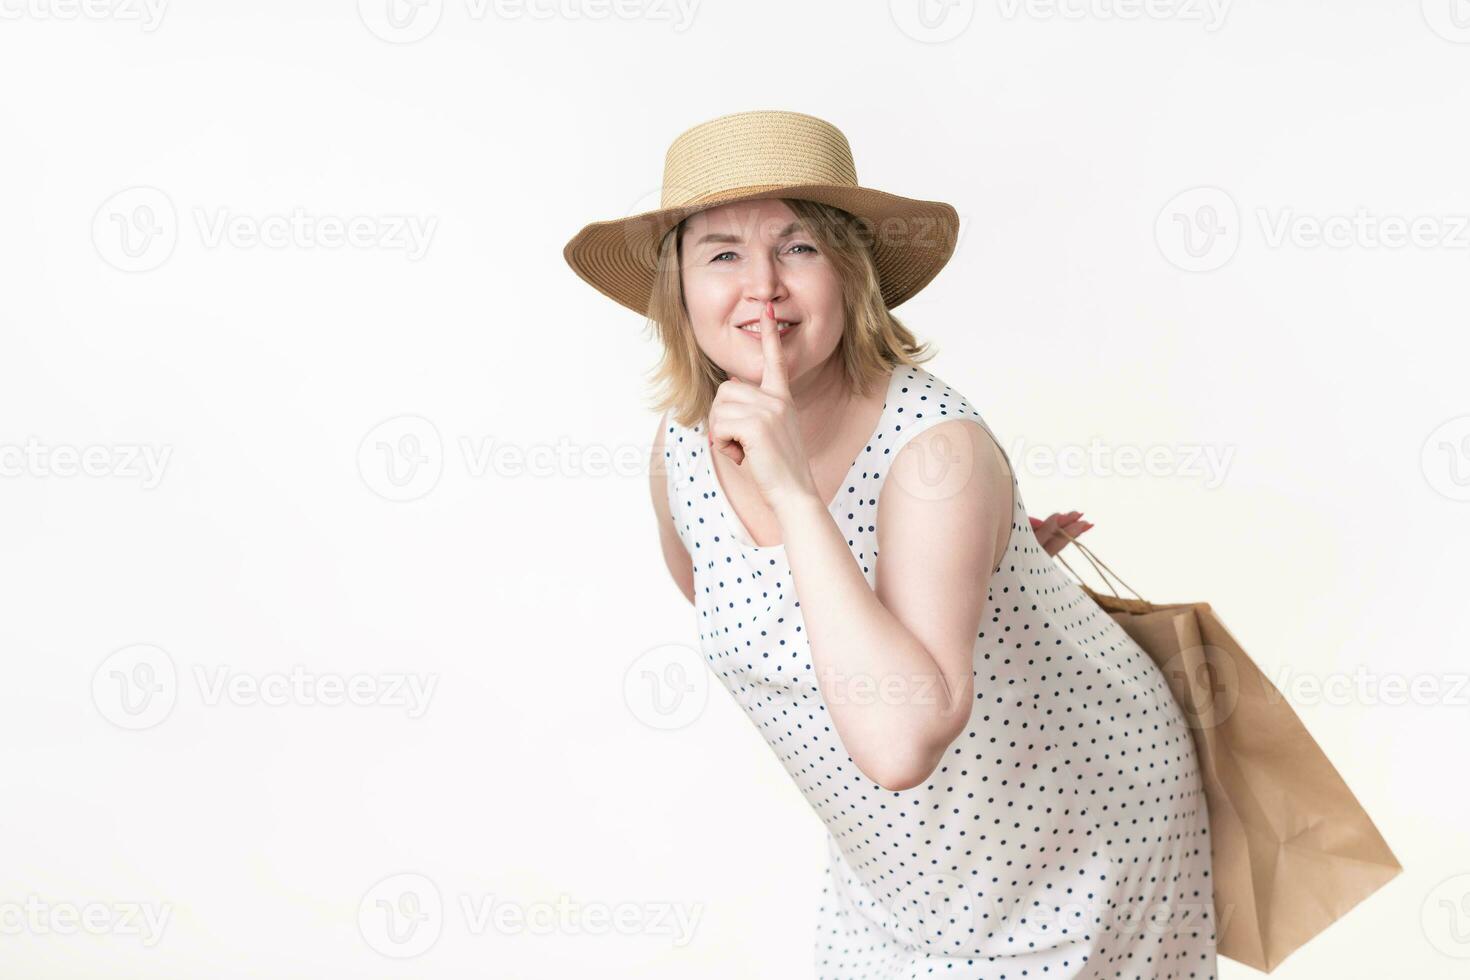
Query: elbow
[
  {"x": 904, "y": 781},
  {"x": 909, "y": 761},
  {"x": 898, "y": 772}
]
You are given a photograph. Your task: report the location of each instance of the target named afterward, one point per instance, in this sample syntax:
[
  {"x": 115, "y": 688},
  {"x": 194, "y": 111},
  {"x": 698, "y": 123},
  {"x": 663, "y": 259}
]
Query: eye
[{"x": 809, "y": 248}]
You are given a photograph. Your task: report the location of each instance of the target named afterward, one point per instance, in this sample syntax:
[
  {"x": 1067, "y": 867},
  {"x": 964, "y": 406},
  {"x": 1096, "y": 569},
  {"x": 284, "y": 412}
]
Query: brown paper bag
[{"x": 1293, "y": 850}]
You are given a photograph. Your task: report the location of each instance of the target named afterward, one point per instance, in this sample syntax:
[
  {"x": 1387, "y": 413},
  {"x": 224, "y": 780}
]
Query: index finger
[{"x": 773, "y": 377}]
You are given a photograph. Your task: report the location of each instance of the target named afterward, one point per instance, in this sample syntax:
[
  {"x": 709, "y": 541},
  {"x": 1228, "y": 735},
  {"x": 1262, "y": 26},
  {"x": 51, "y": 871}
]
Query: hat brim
[{"x": 911, "y": 240}]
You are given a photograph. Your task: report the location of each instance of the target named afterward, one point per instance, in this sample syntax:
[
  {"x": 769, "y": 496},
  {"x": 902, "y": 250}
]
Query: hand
[
  {"x": 1049, "y": 532},
  {"x": 757, "y": 426}
]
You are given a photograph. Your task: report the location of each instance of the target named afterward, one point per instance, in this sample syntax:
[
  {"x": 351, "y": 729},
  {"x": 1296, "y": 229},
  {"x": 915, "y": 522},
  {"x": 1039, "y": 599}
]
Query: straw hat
[{"x": 748, "y": 156}]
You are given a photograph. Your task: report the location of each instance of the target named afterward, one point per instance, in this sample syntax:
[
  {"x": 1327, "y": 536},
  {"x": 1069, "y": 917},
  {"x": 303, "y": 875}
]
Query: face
[{"x": 738, "y": 256}]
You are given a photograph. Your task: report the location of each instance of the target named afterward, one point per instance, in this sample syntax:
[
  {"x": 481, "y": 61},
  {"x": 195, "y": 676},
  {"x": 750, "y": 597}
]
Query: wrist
[{"x": 796, "y": 507}]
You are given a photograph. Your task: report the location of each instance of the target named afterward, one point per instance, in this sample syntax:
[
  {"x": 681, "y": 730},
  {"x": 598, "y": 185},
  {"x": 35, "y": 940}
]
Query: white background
[{"x": 273, "y": 382}]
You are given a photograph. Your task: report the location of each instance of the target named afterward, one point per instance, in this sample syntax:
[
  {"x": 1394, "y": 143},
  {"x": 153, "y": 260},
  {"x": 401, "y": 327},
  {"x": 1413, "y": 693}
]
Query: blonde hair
[{"x": 873, "y": 339}]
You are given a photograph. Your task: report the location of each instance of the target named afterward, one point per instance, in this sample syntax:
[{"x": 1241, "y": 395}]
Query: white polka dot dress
[{"x": 1064, "y": 835}]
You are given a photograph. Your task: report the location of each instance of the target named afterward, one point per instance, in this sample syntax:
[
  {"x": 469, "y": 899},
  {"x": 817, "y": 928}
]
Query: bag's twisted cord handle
[{"x": 1096, "y": 562}]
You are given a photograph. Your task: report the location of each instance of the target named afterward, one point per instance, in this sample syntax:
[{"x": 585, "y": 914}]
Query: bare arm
[
  {"x": 894, "y": 663},
  {"x": 675, "y": 555}
]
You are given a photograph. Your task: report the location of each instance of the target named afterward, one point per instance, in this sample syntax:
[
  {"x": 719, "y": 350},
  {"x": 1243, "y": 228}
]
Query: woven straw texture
[{"x": 756, "y": 155}]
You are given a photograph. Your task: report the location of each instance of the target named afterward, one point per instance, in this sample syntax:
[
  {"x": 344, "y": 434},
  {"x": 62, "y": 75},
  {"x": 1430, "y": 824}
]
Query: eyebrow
[{"x": 736, "y": 239}]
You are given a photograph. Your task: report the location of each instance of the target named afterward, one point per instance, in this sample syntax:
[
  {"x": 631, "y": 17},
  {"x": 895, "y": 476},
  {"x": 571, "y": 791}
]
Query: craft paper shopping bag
[{"x": 1293, "y": 849}]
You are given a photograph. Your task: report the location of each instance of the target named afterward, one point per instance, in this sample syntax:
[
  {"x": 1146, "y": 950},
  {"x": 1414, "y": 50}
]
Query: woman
[{"x": 1007, "y": 783}]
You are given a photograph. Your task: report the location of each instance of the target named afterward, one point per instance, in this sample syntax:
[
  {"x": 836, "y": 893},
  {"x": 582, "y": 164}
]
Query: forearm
[{"x": 889, "y": 701}]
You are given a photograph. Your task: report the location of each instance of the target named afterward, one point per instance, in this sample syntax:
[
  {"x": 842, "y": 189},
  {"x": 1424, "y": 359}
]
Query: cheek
[
  {"x": 707, "y": 298},
  {"x": 822, "y": 299},
  {"x": 818, "y": 288},
  {"x": 707, "y": 318}
]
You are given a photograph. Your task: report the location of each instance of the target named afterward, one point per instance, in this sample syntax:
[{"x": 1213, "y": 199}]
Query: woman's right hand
[{"x": 1049, "y": 532}]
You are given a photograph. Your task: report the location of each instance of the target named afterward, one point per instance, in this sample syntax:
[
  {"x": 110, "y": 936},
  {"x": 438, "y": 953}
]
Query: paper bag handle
[{"x": 1096, "y": 562}]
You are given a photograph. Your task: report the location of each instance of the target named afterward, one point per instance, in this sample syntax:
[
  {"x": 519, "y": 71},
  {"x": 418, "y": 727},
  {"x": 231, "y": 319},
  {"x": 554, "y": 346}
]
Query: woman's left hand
[
  {"x": 757, "y": 426},
  {"x": 1049, "y": 532}
]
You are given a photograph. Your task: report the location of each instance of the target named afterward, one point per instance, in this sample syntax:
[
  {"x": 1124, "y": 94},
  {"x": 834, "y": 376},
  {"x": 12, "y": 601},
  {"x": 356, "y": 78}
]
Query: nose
[{"x": 763, "y": 279}]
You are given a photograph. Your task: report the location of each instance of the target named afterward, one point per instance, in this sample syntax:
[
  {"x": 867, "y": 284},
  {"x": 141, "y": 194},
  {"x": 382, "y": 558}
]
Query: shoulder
[
  {"x": 926, "y": 412},
  {"x": 660, "y": 431},
  {"x": 920, "y": 399},
  {"x": 661, "y": 456},
  {"x": 953, "y": 460},
  {"x": 663, "y": 478},
  {"x": 948, "y": 477},
  {"x": 673, "y": 447}
]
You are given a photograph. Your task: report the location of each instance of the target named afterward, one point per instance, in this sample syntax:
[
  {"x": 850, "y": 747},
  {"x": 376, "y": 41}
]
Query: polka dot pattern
[{"x": 1063, "y": 835}]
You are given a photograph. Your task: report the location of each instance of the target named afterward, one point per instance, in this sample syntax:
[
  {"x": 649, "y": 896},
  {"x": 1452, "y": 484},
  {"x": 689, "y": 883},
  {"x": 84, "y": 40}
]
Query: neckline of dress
[{"x": 736, "y": 527}]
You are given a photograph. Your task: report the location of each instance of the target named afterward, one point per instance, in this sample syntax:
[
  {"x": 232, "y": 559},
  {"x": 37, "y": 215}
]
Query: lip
[
  {"x": 756, "y": 319},
  {"x": 753, "y": 335},
  {"x": 751, "y": 322}
]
